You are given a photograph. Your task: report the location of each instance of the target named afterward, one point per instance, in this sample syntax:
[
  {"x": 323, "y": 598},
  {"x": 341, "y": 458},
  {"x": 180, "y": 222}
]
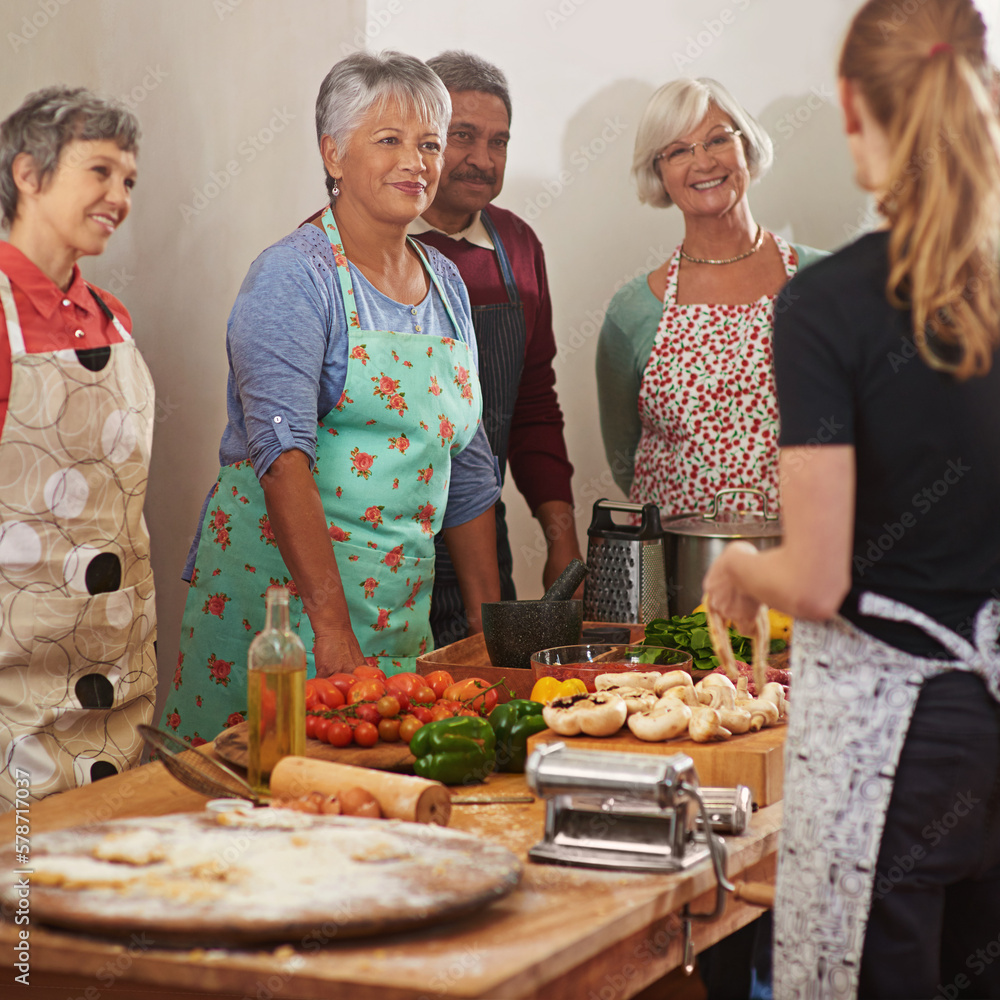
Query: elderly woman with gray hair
[
  {"x": 354, "y": 406},
  {"x": 684, "y": 364},
  {"x": 77, "y": 615}
]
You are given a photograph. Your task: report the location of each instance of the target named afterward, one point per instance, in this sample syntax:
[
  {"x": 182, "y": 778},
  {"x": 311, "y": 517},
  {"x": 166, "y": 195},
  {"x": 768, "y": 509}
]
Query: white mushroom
[
  {"x": 671, "y": 679},
  {"x": 628, "y": 679},
  {"x": 735, "y": 719},
  {"x": 762, "y": 713},
  {"x": 599, "y": 714},
  {"x": 706, "y": 725},
  {"x": 662, "y": 723},
  {"x": 775, "y": 693},
  {"x": 681, "y": 692},
  {"x": 716, "y": 691}
]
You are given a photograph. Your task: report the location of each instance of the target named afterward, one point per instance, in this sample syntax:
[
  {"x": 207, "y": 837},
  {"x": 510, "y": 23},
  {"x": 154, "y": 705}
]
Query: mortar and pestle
[{"x": 513, "y": 630}]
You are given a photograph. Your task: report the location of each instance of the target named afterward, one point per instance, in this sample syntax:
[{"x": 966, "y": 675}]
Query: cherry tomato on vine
[
  {"x": 408, "y": 727},
  {"x": 365, "y": 734},
  {"x": 367, "y": 712},
  {"x": 424, "y": 695},
  {"x": 388, "y": 705},
  {"x": 421, "y": 713},
  {"x": 321, "y": 729},
  {"x": 388, "y": 730},
  {"x": 339, "y": 735},
  {"x": 311, "y": 722}
]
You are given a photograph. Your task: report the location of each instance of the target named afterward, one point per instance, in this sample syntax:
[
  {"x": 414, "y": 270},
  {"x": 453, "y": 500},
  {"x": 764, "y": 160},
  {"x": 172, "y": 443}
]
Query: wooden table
[{"x": 564, "y": 934}]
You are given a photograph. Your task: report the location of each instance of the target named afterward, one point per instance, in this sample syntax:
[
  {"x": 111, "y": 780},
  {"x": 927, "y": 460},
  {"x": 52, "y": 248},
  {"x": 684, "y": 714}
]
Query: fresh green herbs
[{"x": 690, "y": 633}]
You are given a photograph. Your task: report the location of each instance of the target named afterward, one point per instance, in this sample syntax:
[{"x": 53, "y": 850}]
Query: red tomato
[
  {"x": 321, "y": 728},
  {"x": 365, "y": 690},
  {"x": 424, "y": 696},
  {"x": 404, "y": 701},
  {"x": 468, "y": 711},
  {"x": 440, "y": 711},
  {"x": 466, "y": 690},
  {"x": 367, "y": 712},
  {"x": 408, "y": 727},
  {"x": 388, "y": 706},
  {"x": 365, "y": 734},
  {"x": 421, "y": 713},
  {"x": 340, "y": 734},
  {"x": 342, "y": 682},
  {"x": 388, "y": 730},
  {"x": 365, "y": 672},
  {"x": 312, "y": 698},
  {"x": 332, "y": 697},
  {"x": 312, "y": 721},
  {"x": 404, "y": 683},
  {"x": 438, "y": 680}
]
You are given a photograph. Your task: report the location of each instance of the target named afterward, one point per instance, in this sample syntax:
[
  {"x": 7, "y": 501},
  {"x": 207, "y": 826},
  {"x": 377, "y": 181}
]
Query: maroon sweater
[{"x": 537, "y": 451}]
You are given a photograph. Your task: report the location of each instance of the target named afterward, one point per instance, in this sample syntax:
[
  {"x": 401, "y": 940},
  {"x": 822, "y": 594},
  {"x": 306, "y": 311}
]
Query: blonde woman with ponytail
[{"x": 889, "y": 873}]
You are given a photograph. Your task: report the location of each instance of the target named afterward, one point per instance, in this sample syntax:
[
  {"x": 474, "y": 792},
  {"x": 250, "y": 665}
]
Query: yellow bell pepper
[
  {"x": 781, "y": 625},
  {"x": 547, "y": 688}
]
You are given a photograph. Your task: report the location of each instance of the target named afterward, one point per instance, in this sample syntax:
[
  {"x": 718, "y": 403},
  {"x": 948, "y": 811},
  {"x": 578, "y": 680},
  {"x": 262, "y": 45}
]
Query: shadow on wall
[{"x": 809, "y": 193}]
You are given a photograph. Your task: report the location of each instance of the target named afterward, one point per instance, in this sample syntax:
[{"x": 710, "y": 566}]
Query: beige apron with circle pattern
[{"x": 77, "y": 615}]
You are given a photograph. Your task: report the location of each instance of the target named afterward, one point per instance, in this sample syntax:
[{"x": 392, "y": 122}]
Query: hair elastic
[{"x": 939, "y": 47}]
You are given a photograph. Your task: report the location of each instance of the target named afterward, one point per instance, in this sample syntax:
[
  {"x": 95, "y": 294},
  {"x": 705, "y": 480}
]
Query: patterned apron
[
  {"x": 501, "y": 334},
  {"x": 383, "y": 466},
  {"x": 854, "y": 697},
  {"x": 77, "y": 610},
  {"x": 707, "y": 404}
]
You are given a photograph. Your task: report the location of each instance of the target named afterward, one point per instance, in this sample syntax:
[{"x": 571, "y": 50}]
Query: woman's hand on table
[
  {"x": 722, "y": 585},
  {"x": 337, "y": 652}
]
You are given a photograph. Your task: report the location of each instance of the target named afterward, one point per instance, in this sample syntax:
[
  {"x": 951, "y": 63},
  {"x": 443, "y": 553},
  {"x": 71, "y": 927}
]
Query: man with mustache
[{"x": 501, "y": 261}]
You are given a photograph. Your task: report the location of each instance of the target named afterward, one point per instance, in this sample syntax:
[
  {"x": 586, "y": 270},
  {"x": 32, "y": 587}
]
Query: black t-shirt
[{"x": 927, "y": 515}]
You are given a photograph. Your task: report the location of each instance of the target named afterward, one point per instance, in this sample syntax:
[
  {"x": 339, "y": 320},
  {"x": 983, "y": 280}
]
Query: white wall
[{"x": 225, "y": 91}]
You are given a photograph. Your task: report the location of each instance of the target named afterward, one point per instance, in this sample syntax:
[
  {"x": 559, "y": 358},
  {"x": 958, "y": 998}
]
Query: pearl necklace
[{"x": 758, "y": 242}]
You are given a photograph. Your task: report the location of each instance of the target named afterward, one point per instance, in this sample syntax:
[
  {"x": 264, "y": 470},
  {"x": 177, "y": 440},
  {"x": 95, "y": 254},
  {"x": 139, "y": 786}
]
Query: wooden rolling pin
[{"x": 400, "y": 796}]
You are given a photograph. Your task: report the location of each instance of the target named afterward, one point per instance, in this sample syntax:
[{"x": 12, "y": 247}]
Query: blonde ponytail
[{"x": 923, "y": 74}]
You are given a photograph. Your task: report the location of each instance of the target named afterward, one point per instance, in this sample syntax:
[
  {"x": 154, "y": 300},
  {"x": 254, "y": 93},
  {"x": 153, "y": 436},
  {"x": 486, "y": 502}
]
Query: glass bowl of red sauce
[{"x": 588, "y": 662}]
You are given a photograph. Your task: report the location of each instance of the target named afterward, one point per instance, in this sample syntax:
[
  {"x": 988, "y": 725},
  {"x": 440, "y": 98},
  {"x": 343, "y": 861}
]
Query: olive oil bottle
[{"x": 276, "y": 692}]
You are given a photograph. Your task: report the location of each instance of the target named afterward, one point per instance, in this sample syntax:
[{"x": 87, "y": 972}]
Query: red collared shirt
[{"x": 51, "y": 319}]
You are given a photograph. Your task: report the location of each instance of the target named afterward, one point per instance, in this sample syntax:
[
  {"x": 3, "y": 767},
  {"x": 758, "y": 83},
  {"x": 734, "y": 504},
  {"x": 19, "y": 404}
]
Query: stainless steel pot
[{"x": 694, "y": 541}]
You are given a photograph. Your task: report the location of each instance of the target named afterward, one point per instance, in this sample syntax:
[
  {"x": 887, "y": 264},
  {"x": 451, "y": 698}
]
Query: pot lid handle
[{"x": 713, "y": 513}]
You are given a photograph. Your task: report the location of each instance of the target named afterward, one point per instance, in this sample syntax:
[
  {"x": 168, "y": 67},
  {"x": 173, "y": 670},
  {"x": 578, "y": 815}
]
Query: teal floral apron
[{"x": 383, "y": 465}]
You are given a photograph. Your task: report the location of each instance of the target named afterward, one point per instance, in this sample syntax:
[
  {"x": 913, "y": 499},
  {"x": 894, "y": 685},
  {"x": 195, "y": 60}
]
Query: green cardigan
[{"x": 623, "y": 348}]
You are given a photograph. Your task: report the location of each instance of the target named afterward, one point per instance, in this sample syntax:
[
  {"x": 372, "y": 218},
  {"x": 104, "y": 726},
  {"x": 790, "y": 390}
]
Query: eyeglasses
[{"x": 715, "y": 145}]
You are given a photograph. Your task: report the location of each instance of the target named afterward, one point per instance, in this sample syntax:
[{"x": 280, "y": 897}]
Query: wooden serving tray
[
  {"x": 753, "y": 759},
  {"x": 260, "y": 875},
  {"x": 231, "y": 746}
]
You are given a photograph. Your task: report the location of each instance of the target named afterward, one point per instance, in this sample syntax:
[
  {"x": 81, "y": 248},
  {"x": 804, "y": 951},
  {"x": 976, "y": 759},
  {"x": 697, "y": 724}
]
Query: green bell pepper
[
  {"x": 454, "y": 751},
  {"x": 513, "y": 722}
]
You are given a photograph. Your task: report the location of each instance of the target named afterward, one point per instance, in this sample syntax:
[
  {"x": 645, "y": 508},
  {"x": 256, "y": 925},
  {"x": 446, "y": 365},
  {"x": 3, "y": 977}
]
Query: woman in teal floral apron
[
  {"x": 354, "y": 433},
  {"x": 888, "y": 377}
]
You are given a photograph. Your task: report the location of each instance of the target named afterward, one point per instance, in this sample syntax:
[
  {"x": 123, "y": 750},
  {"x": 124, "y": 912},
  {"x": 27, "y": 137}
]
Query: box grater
[{"x": 626, "y": 563}]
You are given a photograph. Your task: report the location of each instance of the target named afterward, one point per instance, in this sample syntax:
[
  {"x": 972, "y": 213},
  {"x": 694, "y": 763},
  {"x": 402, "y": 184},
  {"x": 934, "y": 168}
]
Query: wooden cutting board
[
  {"x": 231, "y": 746},
  {"x": 260, "y": 875},
  {"x": 754, "y": 759}
]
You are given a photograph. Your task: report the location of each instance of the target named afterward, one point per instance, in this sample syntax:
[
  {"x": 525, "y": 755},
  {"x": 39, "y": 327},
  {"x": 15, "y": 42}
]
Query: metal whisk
[{"x": 197, "y": 771}]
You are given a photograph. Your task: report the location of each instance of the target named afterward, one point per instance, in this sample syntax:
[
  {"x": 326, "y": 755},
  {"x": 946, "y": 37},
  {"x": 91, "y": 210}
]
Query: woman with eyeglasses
[{"x": 684, "y": 368}]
